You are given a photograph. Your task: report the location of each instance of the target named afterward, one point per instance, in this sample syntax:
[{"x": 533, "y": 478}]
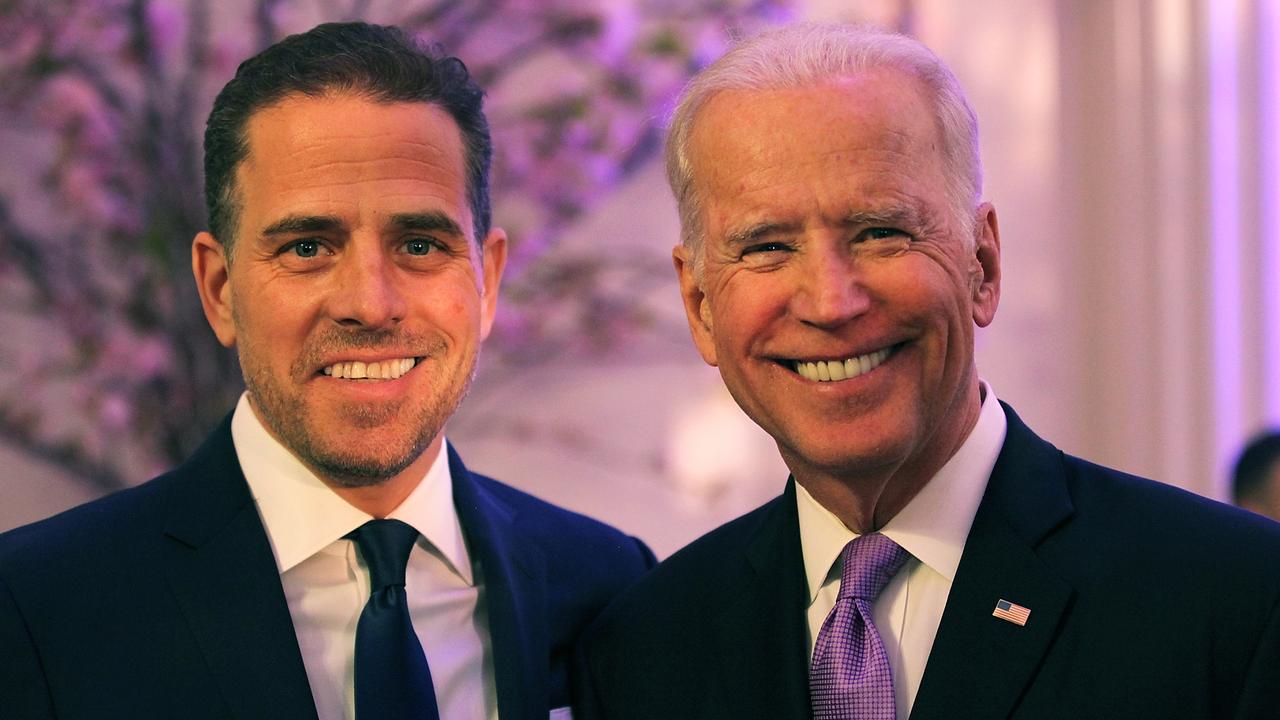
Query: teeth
[
  {"x": 835, "y": 369},
  {"x": 383, "y": 370},
  {"x": 832, "y": 370}
]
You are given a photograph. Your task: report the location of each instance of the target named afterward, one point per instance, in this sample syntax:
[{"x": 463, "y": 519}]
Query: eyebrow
[
  {"x": 753, "y": 233},
  {"x": 424, "y": 221},
  {"x": 427, "y": 222},
  {"x": 302, "y": 223},
  {"x": 897, "y": 215},
  {"x": 901, "y": 216}
]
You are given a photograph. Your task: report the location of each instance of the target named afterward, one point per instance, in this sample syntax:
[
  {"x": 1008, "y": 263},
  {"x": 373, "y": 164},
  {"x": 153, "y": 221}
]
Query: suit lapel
[
  {"x": 981, "y": 664},
  {"x": 760, "y": 633},
  {"x": 514, "y": 575},
  {"x": 221, "y": 569}
]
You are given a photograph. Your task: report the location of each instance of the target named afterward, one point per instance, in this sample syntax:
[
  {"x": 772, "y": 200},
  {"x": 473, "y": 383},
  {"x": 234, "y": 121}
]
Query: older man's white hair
[{"x": 808, "y": 54}]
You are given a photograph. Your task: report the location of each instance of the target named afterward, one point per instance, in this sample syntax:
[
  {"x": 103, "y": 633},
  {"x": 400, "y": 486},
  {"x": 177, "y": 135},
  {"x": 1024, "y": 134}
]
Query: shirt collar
[
  {"x": 934, "y": 524},
  {"x": 303, "y": 516}
]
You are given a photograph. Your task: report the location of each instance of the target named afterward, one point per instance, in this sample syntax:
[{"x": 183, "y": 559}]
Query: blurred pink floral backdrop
[{"x": 112, "y": 373}]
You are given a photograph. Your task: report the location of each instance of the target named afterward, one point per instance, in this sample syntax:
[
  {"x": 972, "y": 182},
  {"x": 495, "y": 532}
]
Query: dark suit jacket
[
  {"x": 165, "y": 601},
  {"x": 1146, "y": 602}
]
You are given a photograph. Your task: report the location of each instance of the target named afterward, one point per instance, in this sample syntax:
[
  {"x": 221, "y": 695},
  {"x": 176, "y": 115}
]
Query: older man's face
[
  {"x": 356, "y": 296},
  {"x": 839, "y": 294}
]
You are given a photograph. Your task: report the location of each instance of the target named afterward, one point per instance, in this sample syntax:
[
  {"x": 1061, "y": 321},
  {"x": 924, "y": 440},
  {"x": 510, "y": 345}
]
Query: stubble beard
[{"x": 340, "y": 463}]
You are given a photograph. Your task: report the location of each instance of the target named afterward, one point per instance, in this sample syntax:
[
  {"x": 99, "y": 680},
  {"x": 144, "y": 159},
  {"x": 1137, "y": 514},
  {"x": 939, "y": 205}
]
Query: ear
[
  {"x": 210, "y": 267},
  {"x": 492, "y": 262},
  {"x": 696, "y": 308},
  {"x": 985, "y": 278}
]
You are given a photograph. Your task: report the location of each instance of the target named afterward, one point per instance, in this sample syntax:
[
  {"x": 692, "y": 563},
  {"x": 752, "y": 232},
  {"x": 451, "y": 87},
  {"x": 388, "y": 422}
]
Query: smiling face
[
  {"x": 839, "y": 293},
  {"x": 356, "y": 296}
]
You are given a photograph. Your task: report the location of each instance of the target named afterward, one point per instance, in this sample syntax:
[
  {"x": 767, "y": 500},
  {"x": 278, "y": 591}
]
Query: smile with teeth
[
  {"x": 382, "y": 370},
  {"x": 832, "y": 370}
]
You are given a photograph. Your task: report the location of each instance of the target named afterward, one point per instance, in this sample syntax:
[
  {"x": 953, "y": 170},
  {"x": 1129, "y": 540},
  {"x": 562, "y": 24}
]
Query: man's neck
[
  {"x": 380, "y": 499},
  {"x": 377, "y": 497},
  {"x": 866, "y": 499}
]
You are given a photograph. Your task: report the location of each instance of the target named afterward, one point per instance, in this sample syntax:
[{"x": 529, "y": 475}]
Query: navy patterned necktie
[
  {"x": 850, "y": 678},
  {"x": 392, "y": 676}
]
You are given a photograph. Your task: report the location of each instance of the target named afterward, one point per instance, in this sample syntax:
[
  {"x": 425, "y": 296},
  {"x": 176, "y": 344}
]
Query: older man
[
  {"x": 930, "y": 556},
  {"x": 325, "y": 553}
]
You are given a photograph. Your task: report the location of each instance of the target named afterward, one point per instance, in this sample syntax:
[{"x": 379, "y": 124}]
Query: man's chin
[
  {"x": 347, "y": 471},
  {"x": 844, "y": 460},
  {"x": 369, "y": 460}
]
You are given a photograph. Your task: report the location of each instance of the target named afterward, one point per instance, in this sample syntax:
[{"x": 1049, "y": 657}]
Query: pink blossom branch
[
  {"x": 429, "y": 16},
  {"x": 67, "y": 458}
]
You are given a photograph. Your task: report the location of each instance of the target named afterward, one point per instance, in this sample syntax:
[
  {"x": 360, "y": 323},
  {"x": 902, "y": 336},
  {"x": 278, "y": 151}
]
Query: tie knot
[
  {"x": 869, "y": 561},
  {"x": 385, "y": 545}
]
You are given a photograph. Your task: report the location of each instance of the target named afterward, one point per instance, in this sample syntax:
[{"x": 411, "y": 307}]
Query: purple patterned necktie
[{"x": 850, "y": 677}]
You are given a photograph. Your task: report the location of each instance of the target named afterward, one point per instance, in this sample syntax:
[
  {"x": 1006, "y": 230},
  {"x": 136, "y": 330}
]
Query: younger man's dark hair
[{"x": 381, "y": 63}]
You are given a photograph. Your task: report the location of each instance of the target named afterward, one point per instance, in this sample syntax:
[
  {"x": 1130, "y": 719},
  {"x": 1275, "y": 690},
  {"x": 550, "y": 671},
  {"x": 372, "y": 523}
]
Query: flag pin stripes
[{"x": 1012, "y": 612}]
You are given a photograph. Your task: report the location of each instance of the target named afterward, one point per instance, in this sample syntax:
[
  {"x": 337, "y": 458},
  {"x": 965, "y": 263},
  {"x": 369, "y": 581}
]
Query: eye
[
  {"x": 419, "y": 246},
  {"x": 765, "y": 247},
  {"x": 883, "y": 233},
  {"x": 305, "y": 248}
]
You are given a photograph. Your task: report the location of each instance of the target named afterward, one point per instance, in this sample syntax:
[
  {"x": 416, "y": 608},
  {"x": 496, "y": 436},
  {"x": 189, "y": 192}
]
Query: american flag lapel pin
[{"x": 1012, "y": 612}]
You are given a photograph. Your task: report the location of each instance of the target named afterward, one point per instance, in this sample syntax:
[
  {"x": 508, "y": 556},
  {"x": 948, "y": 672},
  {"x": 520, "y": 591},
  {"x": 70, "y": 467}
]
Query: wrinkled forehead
[
  {"x": 878, "y": 111},
  {"x": 846, "y": 141}
]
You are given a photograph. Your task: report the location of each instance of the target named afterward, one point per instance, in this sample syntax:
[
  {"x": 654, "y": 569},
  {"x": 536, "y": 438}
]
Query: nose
[
  {"x": 366, "y": 291},
  {"x": 831, "y": 291}
]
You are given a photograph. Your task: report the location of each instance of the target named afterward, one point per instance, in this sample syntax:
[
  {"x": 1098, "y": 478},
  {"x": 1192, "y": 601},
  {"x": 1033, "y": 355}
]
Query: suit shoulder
[
  {"x": 711, "y": 549},
  {"x": 553, "y": 526},
  {"x": 89, "y": 546},
  {"x": 691, "y": 579},
  {"x": 538, "y": 514},
  {"x": 1134, "y": 517},
  {"x": 1162, "y": 534},
  {"x": 1161, "y": 508},
  {"x": 106, "y": 526},
  {"x": 107, "y": 519}
]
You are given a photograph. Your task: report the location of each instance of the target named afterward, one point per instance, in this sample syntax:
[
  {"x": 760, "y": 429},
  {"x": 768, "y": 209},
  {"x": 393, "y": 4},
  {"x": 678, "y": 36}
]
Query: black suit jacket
[
  {"x": 164, "y": 601},
  {"x": 1146, "y": 602}
]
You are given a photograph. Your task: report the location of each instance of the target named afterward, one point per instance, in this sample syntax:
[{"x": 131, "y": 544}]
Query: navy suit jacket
[
  {"x": 164, "y": 600},
  {"x": 1146, "y": 602}
]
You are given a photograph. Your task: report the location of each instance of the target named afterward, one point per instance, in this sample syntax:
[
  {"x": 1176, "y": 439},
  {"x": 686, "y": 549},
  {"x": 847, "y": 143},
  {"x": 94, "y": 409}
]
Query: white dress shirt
[
  {"x": 932, "y": 527},
  {"x": 326, "y": 583}
]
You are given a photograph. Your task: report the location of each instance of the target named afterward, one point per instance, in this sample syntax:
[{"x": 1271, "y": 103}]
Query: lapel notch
[
  {"x": 222, "y": 572},
  {"x": 760, "y": 633},
  {"x": 981, "y": 664},
  {"x": 514, "y": 576}
]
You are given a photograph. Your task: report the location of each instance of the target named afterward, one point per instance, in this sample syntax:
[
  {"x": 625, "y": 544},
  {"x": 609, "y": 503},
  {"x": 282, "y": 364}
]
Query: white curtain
[{"x": 1132, "y": 149}]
